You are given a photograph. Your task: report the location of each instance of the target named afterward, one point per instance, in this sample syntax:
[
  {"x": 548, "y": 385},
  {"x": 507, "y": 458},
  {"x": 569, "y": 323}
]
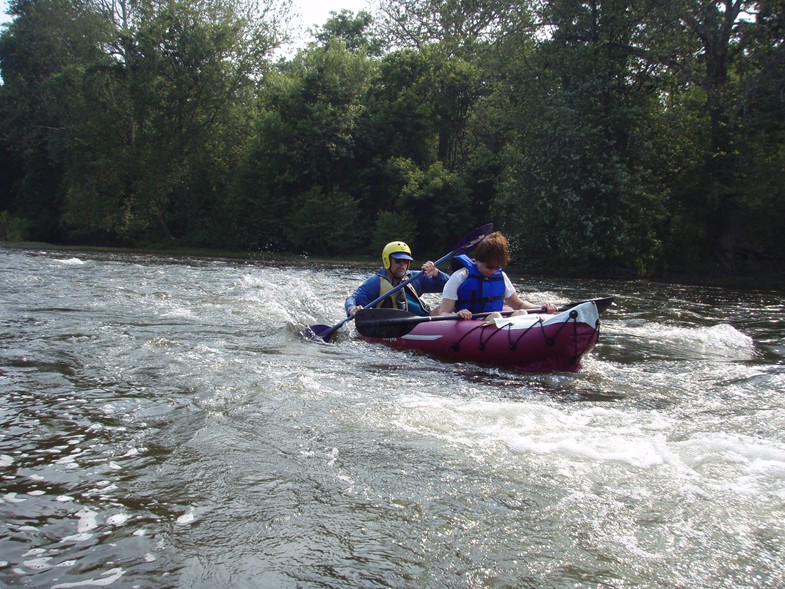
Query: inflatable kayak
[{"x": 535, "y": 342}]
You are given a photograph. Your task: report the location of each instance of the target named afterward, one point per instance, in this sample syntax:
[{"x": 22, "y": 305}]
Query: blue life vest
[{"x": 479, "y": 294}]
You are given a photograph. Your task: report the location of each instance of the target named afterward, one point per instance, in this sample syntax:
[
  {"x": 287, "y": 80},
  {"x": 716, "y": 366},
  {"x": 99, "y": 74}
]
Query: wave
[{"x": 721, "y": 342}]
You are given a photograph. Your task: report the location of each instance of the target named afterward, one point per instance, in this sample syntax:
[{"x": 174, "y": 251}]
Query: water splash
[{"x": 717, "y": 342}]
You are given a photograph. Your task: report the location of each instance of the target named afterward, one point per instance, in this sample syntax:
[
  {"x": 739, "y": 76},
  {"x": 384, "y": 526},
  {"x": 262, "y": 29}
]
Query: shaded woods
[{"x": 637, "y": 137}]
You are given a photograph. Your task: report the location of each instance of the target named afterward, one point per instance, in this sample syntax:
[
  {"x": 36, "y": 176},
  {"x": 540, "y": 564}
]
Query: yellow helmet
[{"x": 396, "y": 249}]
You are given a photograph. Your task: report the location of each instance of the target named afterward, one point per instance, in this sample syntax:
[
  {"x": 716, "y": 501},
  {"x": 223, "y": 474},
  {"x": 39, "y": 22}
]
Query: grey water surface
[{"x": 164, "y": 424}]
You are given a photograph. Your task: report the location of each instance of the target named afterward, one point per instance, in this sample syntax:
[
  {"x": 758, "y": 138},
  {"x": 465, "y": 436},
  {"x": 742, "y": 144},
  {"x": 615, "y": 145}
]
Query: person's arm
[
  {"x": 363, "y": 295},
  {"x": 517, "y": 303},
  {"x": 431, "y": 280},
  {"x": 447, "y": 306},
  {"x": 450, "y": 296}
]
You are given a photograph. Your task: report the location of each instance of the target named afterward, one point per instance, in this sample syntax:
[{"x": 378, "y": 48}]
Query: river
[{"x": 163, "y": 423}]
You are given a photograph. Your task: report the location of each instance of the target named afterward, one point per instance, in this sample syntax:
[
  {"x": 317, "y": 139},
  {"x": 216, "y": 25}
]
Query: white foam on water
[
  {"x": 70, "y": 261},
  {"x": 110, "y": 577},
  {"x": 186, "y": 518},
  {"x": 87, "y": 520},
  {"x": 38, "y": 564},
  {"x": 743, "y": 464},
  {"x": 117, "y": 519},
  {"x": 180, "y": 312},
  {"x": 12, "y": 498},
  {"x": 587, "y": 435},
  {"x": 721, "y": 341},
  {"x": 283, "y": 297},
  {"x": 6, "y": 460}
]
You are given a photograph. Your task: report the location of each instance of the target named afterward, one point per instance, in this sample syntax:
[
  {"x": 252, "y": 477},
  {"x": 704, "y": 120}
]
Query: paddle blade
[
  {"x": 602, "y": 304},
  {"x": 386, "y": 323},
  {"x": 324, "y": 332},
  {"x": 319, "y": 332},
  {"x": 385, "y": 330},
  {"x": 366, "y": 316},
  {"x": 470, "y": 241}
]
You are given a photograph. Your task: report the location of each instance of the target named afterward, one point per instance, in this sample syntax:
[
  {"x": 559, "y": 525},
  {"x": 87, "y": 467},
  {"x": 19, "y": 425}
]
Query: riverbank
[
  {"x": 188, "y": 252},
  {"x": 763, "y": 280}
]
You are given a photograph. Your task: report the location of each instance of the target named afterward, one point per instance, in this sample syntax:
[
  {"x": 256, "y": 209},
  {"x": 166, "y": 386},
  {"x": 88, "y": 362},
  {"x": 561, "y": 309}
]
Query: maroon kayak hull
[{"x": 532, "y": 343}]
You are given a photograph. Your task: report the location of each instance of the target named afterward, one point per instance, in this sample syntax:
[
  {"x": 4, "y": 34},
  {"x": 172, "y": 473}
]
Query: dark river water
[{"x": 164, "y": 424}]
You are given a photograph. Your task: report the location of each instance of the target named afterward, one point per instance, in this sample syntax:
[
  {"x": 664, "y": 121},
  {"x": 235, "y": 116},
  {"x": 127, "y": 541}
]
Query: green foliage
[
  {"x": 354, "y": 30},
  {"x": 628, "y": 136},
  {"x": 577, "y": 188},
  {"x": 438, "y": 201},
  {"x": 13, "y": 228},
  {"x": 391, "y": 226},
  {"x": 736, "y": 58},
  {"x": 399, "y": 118},
  {"x": 301, "y": 157},
  {"x": 323, "y": 223},
  {"x": 128, "y": 108}
]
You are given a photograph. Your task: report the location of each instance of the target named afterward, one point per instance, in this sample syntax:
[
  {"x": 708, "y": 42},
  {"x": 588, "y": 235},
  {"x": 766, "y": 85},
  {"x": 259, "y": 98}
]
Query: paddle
[
  {"x": 466, "y": 244},
  {"x": 389, "y": 323}
]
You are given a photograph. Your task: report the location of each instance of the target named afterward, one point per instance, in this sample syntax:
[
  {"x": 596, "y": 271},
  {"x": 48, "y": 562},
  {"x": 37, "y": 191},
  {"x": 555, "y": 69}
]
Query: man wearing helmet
[{"x": 396, "y": 256}]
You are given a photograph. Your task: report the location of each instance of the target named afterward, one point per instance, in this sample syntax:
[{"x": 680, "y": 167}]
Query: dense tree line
[{"x": 636, "y": 135}]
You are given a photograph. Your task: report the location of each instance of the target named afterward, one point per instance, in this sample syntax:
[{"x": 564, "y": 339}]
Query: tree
[
  {"x": 416, "y": 24},
  {"x": 723, "y": 55},
  {"x": 576, "y": 189},
  {"x": 137, "y": 94},
  {"x": 44, "y": 40},
  {"x": 355, "y": 30},
  {"x": 189, "y": 69},
  {"x": 302, "y": 155}
]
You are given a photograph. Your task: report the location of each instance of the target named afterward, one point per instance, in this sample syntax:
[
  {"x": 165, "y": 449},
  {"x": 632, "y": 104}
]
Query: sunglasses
[{"x": 401, "y": 261}]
